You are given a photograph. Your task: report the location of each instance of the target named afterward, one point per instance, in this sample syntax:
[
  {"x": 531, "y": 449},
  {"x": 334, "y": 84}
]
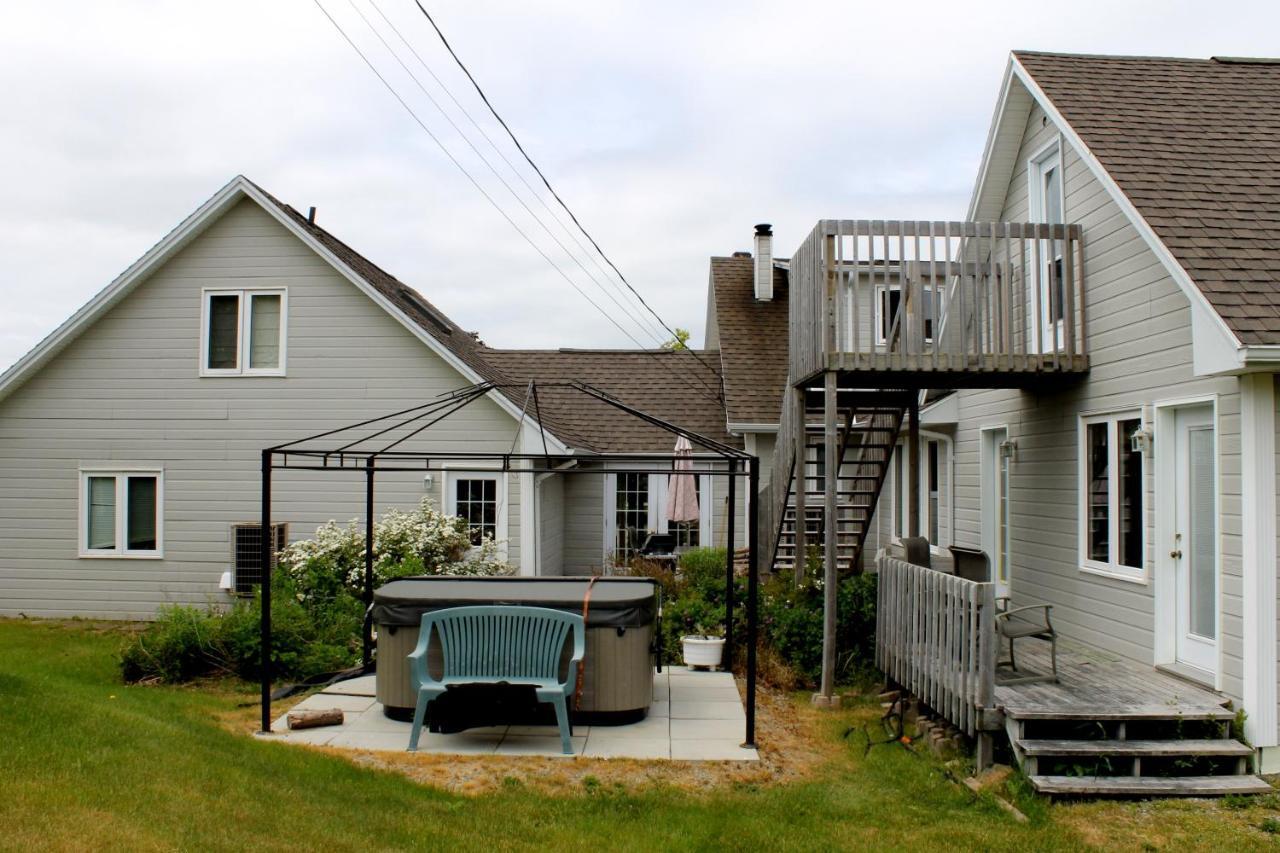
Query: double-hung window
[
  {"x": 243, "y": 332},
  {"x": 121, "y": 513},
  {"x": 1112, "y": 520}
]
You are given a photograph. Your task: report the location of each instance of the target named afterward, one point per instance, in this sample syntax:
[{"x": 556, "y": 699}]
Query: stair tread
[
  {"x": 1187, "y": 786},
  {"x": 1117, "y": 712},
  {"x": 1189, "y": 746}
]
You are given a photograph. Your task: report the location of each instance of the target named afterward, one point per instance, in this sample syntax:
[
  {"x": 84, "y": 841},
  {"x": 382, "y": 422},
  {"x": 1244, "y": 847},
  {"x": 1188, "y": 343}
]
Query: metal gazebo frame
[{"x": 356, "y": 454}]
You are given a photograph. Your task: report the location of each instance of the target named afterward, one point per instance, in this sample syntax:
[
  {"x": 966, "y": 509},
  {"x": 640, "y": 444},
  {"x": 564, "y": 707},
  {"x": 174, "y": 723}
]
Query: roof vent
[
  {"x": 742, "y": 254},
  {"x": 764, "y": 263}
]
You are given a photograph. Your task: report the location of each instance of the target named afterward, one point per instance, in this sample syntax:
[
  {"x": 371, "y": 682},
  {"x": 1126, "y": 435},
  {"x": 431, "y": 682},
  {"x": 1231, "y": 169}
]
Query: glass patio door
[{"x": 1194, "y": 549}]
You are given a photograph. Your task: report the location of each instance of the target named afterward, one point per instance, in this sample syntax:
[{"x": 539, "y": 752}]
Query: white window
[
  {"x": 121, "y": 513},
  {"x": 1112, "y": 520},
  {"x": 480, "y": 499},
  {"x": 1045, "y": 202},
  {"x": 635, "y": 506},
  {"x": 888, "y": 304},
  {"x": 243, "y": 332}
]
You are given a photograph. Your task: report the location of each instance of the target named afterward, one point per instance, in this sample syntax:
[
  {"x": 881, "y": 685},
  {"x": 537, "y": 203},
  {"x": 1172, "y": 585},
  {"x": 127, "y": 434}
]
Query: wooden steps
[
  {"x": 1121, "y": 713},
  {"x": 1139, "y": 748},
  {"x": 1149, "y": 786}
]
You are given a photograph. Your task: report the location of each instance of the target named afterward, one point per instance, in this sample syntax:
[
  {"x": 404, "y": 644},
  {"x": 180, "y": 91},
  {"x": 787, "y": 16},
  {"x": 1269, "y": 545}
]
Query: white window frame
[
  {"x": 1113, "y": 568},
  {"x": 882, "y": 319},
  {"x": 478, "y": 471},
  {"x": 121, "y": 475},
  {"x": 1044, "y": 158},
  {"x": 657, "y": 523},
  {"x": 245, "y": 296}
]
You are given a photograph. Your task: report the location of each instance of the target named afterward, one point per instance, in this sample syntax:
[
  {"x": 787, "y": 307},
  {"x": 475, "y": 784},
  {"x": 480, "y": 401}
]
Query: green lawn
[{"x": 86, "y": 762}]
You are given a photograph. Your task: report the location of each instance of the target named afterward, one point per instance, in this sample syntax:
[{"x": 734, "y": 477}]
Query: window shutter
[{"x": 246, "y": 553}]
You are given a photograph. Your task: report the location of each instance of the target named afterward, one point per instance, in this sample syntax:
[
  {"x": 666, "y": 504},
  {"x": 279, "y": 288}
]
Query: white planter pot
[{"x": 702, "y": 651}]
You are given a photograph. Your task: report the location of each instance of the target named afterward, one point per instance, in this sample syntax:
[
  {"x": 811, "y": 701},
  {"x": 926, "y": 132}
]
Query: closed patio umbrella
[{"x": 682, "y": 489}]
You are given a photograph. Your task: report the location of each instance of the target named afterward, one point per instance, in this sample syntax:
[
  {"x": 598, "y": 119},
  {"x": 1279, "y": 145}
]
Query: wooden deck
[{"x": 1099, "y": 685}]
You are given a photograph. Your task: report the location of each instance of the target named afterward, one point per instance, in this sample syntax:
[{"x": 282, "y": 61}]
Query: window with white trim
[
  {"x": 1112, "y": 520},
  {"x": 121, "y": 513},
  {"x": 889, "y": 303},
  {"x": 243, "y": 332},
  {"x": 475, "y": 499},
  {"x": 631, "y": 514}
]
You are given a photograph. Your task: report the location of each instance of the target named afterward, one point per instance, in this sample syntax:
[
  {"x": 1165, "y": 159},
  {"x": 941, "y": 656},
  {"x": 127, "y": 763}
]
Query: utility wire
[
  {"x": 626, "y": 310},
  {"x": 570, "y": 233},
  {"x": 479, "y": 188},
  {"x": 546, "y": 182}
]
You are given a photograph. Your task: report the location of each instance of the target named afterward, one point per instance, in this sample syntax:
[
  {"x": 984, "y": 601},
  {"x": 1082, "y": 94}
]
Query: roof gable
[
  {"x": 403, "y": 303},
  {"x": 753, "y": 339}
]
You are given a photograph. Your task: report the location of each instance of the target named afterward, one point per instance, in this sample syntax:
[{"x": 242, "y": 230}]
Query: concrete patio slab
[
  {"x": 362, "y": 686},
  {"x": 713, "y": 749},
  {"x": 699, "y": 710},
  {"x": 650, "y": 748},
  {"x": 695, "y": 716}
]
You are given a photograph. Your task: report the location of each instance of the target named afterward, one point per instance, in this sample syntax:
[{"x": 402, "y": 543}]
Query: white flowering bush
[{"x": 423, "y": 542}]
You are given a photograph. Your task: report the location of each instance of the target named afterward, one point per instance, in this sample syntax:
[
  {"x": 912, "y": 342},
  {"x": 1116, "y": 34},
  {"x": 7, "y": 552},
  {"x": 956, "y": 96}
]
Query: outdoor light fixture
[
  {"x": 1141, "y": 440},
  {"x": 1009, "y": 450},
  {"x": 428, "y": 482}
]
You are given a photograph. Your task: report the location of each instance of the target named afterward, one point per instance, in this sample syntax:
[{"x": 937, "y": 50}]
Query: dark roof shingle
[
  {"x": 1195, "y": 145},
  {"x": 753, "y": 341}
]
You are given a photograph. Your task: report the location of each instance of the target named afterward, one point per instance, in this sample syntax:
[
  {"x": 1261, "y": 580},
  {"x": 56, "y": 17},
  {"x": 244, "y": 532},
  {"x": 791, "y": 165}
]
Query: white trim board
[
  {"x": 1258, "y": 558},
  {"x": 223, "y": 200}
]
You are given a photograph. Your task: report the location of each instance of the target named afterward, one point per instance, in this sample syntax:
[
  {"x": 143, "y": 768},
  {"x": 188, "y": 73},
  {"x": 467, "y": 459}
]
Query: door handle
[{"x": 1177, "y": 555}]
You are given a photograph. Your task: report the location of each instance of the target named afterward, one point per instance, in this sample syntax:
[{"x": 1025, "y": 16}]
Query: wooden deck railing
[
  {"x": 935, "y": 636},
  {"x": 901, "y": 297}
]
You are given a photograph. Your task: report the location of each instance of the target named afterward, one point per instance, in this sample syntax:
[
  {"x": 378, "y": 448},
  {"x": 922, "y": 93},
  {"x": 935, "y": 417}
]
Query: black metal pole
[
  {"x": 264, "y": 617},
  {"x": 728, "y": 582},
  {"x": 753, "y": 594},
  {"x": 367, "y": 656}
]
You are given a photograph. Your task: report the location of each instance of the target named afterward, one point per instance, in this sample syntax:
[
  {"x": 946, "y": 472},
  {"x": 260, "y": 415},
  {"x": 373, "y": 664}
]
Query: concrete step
[
  {"x": 1149, "y": 786},
  {"x": 1138, "y": 748}
]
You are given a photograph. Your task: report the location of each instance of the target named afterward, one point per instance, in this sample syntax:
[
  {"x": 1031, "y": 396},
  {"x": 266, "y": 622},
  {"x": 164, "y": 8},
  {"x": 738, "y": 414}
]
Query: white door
[
  {"x": 1194, "y": 550},
  {"x": 995, "y": 506}
]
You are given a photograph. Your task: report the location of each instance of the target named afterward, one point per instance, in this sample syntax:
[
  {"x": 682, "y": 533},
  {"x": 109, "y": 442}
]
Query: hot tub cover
[{"x": 615, "y": 602}]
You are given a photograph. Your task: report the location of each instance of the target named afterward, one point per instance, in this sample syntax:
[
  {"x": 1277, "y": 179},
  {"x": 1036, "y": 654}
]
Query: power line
[
  {"x": 625, "y": 309},
  {"x": 479, "y": 188},
  {"x": 537, "y": 196},
  {"x": 546, "y": 182}
]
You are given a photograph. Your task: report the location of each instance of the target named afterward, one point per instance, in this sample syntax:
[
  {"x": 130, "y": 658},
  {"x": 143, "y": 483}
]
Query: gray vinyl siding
[
  {"x": 584, "y": 546},
  {"x": 551, "y": 527},
  {"x": 127, "y": 392},
  {"x": 1139, "y": 343}
]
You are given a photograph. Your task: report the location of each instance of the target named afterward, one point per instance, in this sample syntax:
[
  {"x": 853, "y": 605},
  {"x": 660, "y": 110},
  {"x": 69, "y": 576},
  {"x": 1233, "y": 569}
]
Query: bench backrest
[{"x": 503, "y": 641}]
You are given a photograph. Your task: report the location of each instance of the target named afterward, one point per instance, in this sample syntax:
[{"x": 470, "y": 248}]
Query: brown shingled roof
[
  {"x": 1195, "y": 145},
  {"x": 643, "y": 379},
  {"x": 753, "y": 341}
]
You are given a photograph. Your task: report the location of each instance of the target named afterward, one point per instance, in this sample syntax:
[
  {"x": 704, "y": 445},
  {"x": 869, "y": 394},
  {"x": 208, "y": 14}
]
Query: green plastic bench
[{"x": 498, "y": 644}]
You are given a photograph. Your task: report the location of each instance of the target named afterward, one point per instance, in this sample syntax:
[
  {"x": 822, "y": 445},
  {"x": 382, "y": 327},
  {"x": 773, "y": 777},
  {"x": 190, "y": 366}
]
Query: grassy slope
[{"x": 88, "y": 762}]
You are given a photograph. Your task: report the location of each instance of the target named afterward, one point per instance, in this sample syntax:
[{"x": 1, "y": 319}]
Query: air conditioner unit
[{"x": 246, "y": 553}]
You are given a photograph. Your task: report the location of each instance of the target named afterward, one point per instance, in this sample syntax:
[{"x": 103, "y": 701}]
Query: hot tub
[{"x": 621, "y": 629}]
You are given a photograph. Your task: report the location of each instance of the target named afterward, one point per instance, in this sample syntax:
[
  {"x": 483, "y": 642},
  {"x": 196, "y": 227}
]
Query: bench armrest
[
  {"x": 1046, "y": 608},
  {"x": 418, "y": 674}
]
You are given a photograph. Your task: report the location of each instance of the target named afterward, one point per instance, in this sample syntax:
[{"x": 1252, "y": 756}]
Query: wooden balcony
[{"x": 938, "y": 304}]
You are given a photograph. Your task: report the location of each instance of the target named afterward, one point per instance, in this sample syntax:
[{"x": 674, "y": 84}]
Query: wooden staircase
[
  {"x": 869, "y": 424},
  {"x": 1136, "y": 751}
]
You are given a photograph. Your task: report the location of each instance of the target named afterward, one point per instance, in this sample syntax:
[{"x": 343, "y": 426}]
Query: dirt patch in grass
[{"x": 787, "y": 731}]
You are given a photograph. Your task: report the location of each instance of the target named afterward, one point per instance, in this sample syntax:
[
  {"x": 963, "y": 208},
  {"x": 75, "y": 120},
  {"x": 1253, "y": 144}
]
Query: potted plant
[{"x": 702, "y": 649}]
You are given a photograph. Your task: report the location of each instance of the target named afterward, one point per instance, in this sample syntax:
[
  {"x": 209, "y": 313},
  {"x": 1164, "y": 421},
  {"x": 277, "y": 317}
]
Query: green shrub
[{"x": 178, "y": 646}]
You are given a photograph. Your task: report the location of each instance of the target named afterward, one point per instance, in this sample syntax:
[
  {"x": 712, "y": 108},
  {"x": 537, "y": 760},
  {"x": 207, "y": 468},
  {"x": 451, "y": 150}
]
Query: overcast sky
[{"x": 670, "y": 128}]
